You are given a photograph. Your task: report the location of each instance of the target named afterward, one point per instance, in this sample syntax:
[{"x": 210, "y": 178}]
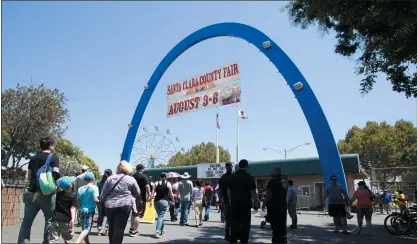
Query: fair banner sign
[
  {"x": 209, "y": 171},
  {"x": 204, "y": 82},
  {"x": 214, "y": 98}
]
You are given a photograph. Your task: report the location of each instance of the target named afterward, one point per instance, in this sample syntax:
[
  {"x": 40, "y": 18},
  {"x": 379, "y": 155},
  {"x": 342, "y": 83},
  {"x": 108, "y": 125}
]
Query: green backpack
[{"x": 46, "y": 181}]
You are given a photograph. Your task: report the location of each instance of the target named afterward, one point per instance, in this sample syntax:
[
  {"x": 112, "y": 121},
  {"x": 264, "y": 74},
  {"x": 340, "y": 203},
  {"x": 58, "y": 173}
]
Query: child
[
  {"x": 64, "y": 214},
  {"x": 88, "y": 197}
]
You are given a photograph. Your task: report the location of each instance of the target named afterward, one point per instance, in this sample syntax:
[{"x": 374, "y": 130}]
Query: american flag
[{"x": 217, "y": 121}]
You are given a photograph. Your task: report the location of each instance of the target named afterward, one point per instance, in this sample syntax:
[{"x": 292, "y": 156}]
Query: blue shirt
[
  {"x": 291, "y": 195},
  {"x": 86, "y": 195},
  {"x": 386, "y": 198}
]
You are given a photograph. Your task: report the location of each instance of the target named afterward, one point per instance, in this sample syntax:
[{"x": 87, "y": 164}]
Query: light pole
[{"x": 286, "y": 152}]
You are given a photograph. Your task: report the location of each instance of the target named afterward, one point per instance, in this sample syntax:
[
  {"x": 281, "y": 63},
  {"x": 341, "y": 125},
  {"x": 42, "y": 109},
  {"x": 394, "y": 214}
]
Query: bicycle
[{"x": 402, "y": 223}]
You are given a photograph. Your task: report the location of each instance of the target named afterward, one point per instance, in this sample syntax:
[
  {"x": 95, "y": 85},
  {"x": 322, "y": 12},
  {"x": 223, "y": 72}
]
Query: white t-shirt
[{"x": 197, "y": 193}]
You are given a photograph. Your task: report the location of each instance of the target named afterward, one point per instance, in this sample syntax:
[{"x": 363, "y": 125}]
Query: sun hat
[
  {"x": 84, "y": 167},
  {"x": 89, "y": 176},
  {"x": 185, "y": 175}
]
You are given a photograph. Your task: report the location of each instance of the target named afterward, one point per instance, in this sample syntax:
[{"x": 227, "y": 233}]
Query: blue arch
[{"x": 331, "y": 163}]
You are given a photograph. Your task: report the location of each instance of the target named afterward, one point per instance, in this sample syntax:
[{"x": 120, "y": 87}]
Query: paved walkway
[{"x": 312, "y": 229}]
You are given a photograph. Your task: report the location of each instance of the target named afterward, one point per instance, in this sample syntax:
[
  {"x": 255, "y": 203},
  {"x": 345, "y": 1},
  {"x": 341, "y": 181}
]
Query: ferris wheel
[{"x": 154, "y": 148}]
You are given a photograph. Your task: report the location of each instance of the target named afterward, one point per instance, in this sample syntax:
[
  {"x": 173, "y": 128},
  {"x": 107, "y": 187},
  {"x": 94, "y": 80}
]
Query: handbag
[{"x": 108, "y": 194}]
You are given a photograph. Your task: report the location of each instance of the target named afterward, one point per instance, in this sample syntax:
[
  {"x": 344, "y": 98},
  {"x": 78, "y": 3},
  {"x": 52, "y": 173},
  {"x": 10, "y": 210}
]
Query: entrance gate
[{"x": 331, "y": 163}]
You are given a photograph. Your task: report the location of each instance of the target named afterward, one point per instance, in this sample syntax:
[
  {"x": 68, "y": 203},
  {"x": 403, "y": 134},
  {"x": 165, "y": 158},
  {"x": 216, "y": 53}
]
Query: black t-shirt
[
  {"x": 64, "y": 201},
  {"x": 223, "y": 183},
  {"x": 142, "y": 181},
  {"x": 278, "y": 188},
  {"x": 35, "y": 163},
  {"x": 241, "y": 184}
]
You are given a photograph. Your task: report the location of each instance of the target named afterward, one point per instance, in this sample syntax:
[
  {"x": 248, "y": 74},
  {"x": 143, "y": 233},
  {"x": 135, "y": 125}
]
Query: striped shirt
[{"x": 123, "y": 194}]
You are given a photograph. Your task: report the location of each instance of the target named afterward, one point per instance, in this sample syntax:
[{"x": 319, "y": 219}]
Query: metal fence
[{"x": 408, "y": 188}]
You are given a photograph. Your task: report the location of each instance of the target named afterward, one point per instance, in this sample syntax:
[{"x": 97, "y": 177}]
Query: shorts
[
  {"x": 86, "y": 220},
  {"x": 364, "y": 212},
  {"x": 140, "y": 207},
  {"x": 337, "y": 210},
  {"x": 60, "y": 229}
]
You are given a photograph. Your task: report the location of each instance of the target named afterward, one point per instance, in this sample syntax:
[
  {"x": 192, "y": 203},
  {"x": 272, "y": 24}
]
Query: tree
[
  {"x": 199, "y": 154},
  {"x": 28, "y": 114},
  {"x": 72, "y": 158},
  {"x": 383, "y": 32},
  {"x": 384, "y": 147}
]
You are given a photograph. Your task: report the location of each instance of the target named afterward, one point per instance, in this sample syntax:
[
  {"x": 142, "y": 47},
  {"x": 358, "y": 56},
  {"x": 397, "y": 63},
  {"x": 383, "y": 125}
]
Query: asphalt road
[{"x": 312, "y": 229}]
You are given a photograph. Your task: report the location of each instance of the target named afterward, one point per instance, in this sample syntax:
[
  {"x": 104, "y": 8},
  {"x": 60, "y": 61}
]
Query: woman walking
[
  {"x": 162, "y": 192},
  {"x": 365, "y": 204},
  {"x": 197, "y": 198},
  {"x": 101, "y": 215},
  {"x": 119, "y": 192}
]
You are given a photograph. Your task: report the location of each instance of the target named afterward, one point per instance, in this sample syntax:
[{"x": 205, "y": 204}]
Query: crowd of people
[{"x": 125, "y": 194}]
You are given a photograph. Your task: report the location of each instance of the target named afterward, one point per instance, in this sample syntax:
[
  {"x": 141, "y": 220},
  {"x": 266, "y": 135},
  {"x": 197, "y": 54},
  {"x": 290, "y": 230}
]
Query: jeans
[
  {"x": 161, "y": 207},
  {"x": 185, "y": 210},
  {"x": 42, "y": 202},
  {"x": 117, "y": 218},
  {"x": 207, "y": 210},
  {"x": 226, "y": 217},
  {"x": 100, "y": 218}
]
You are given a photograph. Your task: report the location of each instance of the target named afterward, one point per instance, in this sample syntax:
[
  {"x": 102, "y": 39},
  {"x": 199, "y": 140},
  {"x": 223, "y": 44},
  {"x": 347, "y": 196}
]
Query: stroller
[{"x": 264, "y": 214}]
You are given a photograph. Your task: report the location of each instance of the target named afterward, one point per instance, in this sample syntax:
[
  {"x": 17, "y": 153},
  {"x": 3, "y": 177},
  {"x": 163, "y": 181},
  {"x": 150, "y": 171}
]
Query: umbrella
[{"x": 173, "y": 175}]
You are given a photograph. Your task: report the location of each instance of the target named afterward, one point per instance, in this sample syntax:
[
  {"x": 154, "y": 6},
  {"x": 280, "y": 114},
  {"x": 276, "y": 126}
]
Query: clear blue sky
[{"x": 101, "y": 54}]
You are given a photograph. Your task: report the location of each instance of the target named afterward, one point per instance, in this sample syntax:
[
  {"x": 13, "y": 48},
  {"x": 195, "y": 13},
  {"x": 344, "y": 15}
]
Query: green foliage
[
  {"x": 72, "y": 158},
  {"x": 383, "y": 32},
  {"x": 199, "y": 154},
  {"x": 29, "y": 113},
  {"x": 383, "y": 146}
]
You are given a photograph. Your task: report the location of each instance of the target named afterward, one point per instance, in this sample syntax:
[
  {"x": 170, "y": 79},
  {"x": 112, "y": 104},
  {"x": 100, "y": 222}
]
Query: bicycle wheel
[
  {"x": 412, "y": 226},
  {"x": 395, "y": 224}
]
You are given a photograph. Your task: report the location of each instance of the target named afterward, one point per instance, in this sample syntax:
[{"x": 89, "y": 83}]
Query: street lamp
[{"x": 286, "y": 152}]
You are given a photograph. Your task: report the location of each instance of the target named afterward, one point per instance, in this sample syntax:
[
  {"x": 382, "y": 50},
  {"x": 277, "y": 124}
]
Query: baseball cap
[
  {"x": 229, "y": 165},
  {"x": 140, "y": 167},
  {"x": 89, "y": 176},
  {"x": 84, "y": 167},
  {"x": 64, "y": 183}
]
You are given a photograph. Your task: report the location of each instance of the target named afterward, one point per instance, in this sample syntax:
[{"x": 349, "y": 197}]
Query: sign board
[
  {"x": 204, "y": 82},
  {"x": 209, "y": 99},
  {"x": 209, "y": 171}
]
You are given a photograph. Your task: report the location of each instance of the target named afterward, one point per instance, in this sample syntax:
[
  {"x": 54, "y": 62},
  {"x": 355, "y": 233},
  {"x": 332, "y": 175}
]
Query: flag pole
[
  {"x": 237, "y": 139},
  {"x": 217, "y": 139}
]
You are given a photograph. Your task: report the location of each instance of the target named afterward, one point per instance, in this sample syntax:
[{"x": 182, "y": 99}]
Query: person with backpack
[
  {"x": 207, "y": 199},
  {"x": 88, "y": 198},
  {"x": 43, "y": 171}
]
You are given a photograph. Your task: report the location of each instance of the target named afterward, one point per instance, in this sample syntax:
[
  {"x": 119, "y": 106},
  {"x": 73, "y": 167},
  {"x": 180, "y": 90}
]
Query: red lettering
[
  {"x": 171, "y": 110},
  {"x": 235, "y": 69},
  {"x": 215, "y": 97},
  {"x": 181, "y": 106},
  {"x": 197, "y": 102}
]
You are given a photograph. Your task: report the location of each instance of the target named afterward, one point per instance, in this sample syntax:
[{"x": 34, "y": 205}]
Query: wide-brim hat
[{"x": 185, "y": 175}]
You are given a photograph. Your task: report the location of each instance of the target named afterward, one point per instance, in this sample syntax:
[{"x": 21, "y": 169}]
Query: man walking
[
  {"x": 145, "y": 190},
  {"x": 276, "y": 204},
  {"x": 337, "y": 199},
  {"x": 241, "y": 190},
  {"x": 292, "y": 204},
  {"x": 174, "y": 208},
  {"x": 224, "y": 198},
  {"x": 79, "y": 182},
  {"x": 185, "y": 188},
  {"x": 33, "y": 199}
]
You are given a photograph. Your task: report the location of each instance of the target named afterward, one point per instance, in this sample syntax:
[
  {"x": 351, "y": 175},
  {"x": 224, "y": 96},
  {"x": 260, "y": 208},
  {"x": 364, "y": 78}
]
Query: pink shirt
[{"x": 364, "y": 198}]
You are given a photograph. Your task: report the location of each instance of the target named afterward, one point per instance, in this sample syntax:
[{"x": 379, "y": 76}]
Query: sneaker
[
  {"x": 293, "y": 227},
  {"x": 157, "y": 236},
  {"x": 345, "y": 232},
  {"x": 133, "y": 233}
]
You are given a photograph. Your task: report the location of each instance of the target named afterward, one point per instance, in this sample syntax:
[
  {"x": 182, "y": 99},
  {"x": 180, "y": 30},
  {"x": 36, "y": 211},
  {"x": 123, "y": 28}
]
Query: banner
[
  {"x": 202, "y": 83},
  {"x": 150, "y": 213},
  {"x": 208, "y": 171},
  {"x": 214, "y": 98}
]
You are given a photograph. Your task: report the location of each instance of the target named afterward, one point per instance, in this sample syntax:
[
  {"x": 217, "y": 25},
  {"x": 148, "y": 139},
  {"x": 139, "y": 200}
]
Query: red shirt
[{"x": 364, "y": 198}]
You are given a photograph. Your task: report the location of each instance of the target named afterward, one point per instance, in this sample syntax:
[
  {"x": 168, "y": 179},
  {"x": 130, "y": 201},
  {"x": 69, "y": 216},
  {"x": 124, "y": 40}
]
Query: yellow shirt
[{"x": 402, "y": 197}]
